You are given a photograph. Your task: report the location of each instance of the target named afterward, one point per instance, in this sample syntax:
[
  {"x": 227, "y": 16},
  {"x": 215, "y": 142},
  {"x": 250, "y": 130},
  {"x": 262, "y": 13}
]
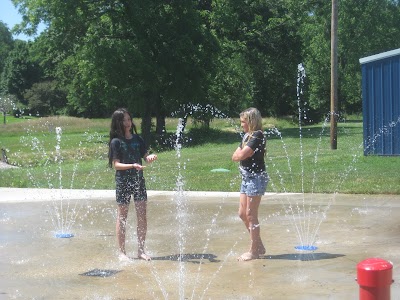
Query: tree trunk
[
  {"x": 160, "y": 119},
  {"x": 146, "y": 126}
]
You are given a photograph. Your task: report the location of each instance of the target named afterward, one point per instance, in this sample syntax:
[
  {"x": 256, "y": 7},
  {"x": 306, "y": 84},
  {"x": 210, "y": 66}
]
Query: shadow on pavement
[
  {"x": 303, "y": 256},
  {"x": 192, "y": 257}
]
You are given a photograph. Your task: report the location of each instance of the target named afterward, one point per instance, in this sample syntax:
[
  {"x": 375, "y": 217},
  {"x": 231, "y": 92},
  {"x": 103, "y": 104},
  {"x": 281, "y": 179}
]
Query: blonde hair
[{"x": 253, "y": 118}]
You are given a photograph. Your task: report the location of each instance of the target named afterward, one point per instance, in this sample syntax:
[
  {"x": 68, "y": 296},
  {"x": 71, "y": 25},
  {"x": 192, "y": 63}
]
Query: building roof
[{"x": 379, "y": 56}]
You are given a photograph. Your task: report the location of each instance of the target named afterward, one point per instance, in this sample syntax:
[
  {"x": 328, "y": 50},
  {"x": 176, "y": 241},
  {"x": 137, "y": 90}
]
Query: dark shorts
[
  {"x": 126, "y": 187},
  {"x": 254, "y": 184}
]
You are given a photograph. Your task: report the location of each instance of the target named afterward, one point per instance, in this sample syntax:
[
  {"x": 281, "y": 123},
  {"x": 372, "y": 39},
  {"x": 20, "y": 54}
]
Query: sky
[{"x": 10, "y": 16}]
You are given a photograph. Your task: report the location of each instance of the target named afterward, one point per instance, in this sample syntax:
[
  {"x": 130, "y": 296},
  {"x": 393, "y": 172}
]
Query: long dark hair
[{"x": 117, "y": 129}]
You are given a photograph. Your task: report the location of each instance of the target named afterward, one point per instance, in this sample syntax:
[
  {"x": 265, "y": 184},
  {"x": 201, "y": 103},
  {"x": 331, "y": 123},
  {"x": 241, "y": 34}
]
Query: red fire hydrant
[{"x": 374, "y": 276}]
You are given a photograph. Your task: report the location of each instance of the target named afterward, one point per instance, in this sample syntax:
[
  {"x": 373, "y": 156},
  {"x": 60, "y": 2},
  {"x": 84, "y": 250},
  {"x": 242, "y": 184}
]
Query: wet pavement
[{"x": 194, "y": 240}]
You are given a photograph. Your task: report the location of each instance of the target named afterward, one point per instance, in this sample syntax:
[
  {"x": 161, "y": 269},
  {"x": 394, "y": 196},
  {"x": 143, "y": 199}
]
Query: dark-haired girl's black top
[{"x": 128, "y": 151}]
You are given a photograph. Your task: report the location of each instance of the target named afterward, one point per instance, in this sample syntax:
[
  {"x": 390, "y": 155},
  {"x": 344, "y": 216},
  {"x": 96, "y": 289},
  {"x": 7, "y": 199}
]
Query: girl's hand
[
  {"x": 151, "y": 158},
  {"x": 138, "y": 167}
]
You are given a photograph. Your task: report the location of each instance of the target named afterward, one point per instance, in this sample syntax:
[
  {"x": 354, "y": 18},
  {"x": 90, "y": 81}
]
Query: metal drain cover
[{"x": 100, "y": 273}]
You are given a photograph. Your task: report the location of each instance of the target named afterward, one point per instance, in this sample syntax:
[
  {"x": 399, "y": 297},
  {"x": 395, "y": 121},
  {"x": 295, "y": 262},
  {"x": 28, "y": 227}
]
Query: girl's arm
[
  {"x": 242, "y": 154},
  {"x": 122, "y": 167}
]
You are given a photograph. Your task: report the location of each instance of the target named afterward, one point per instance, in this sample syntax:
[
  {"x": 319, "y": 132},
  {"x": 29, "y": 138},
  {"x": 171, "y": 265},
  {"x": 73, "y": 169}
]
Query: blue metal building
[{"x": 381, "y": 103}]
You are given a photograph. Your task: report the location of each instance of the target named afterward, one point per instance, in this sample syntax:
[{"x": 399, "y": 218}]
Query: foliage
[
  {"x": 123, "y": 53},
  {"x": 365, "y": 28},
  {"x": 356, "y": 34},
  {"x": 46, "y": 98},
  {"x": 155, "y": 56},
  {"x": 6, "y": 44},
  {"x": 7, "y": 105},
  {"x": 260, "y": 39},
  {"x": 19, "y": 72}
]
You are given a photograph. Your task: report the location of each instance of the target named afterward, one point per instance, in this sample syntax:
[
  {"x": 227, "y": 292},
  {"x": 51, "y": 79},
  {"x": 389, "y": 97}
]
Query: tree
[
  {"x": 19, "y": 72},
  {"x": 264, "y": 36},
  {"x": 7, "y": 104},
  {"x": 6, "y": 44},
  {"x": 232, "y": 88},
  {"x": 150, "y": 56},
  {"x": 154, "y": 56},
  {"x": 46, "y": 98},
  {"x": 364, "y": 28}
]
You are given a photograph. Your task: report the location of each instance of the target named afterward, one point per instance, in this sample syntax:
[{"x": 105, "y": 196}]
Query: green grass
[
  {"x": 295, "y": 164},
  {"x": 9, "y": 119}
]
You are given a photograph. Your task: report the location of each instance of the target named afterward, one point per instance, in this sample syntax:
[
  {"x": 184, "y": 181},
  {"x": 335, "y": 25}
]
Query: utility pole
[{"x": 334, "y": 75}]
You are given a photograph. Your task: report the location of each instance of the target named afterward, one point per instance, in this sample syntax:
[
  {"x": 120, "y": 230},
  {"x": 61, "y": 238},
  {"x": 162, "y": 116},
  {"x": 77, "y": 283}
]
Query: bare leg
[
  {"x": 243, "y": 214},
  {"x": 141, "y": 213},
  {"x": 243, "y": 210},
  {"x": 122, "y": 215},
  {"x": 248, "y": 212},
  {"x": 254, "y": 225}
]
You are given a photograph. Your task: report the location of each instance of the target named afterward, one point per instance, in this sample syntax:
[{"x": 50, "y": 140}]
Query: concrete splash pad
[{"x": 34, "y": 264}]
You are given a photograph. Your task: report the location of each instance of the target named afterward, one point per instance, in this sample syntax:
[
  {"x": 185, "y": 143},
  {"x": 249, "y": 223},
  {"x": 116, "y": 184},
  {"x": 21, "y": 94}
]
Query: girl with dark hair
[{"x": 126, "y": 150}]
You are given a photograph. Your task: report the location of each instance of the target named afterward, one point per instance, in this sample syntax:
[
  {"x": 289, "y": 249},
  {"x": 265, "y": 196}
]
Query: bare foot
[
  {"x": 247, "y": 256},
  {"x": 144, "y": 256},
  {"x": 261, "y": 250}
]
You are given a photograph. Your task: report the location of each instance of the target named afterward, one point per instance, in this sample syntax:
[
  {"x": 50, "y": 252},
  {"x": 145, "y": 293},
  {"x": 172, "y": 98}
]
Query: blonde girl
[{"x": 250, "y": 155}]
